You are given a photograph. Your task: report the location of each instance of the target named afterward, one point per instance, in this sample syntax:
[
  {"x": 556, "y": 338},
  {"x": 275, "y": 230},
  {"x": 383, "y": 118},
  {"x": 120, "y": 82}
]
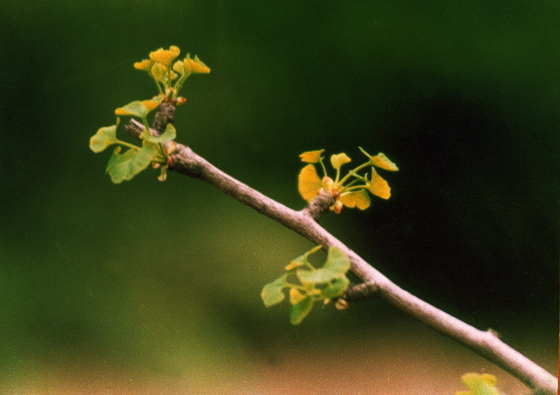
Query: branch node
[
  {"x": 319, "y": 205},
  {"x": 363, "y": 291}
]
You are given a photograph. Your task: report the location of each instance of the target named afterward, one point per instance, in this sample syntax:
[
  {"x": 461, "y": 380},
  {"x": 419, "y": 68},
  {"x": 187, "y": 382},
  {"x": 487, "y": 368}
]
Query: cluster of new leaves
[
  {"x": 350, "y": 190},
  {"x": 325, "y": 283},
  {"x": 479, "y": 384},
  {"x": 154, "y": 150}
]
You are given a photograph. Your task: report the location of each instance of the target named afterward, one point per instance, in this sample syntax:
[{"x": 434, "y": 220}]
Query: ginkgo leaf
[
  {"x": 358, "y": 199},
  {"x": 479, "y": 384},
  {"x": 336, "y": 265},
  {"x": 179, "y": 67},
  {"x": 165, "y": 56},
  {"x": 103, "y": 138},
  {"x": 139, "y": 108},
  {"x": 123, "y": 167},
  {"x": 196, "y": 65},
  {"x": 338, "y": 160},
  {"x": 300, "y": 310},
  {"x": 311, "y": 156},
  {"x": 169, "y": 135},
  {"x": 272, "y": 292},
  {"x": 336, "y": 288},
  {"x": 145, "y": 65},
  {"x": 309, "y": 183},
  {"x": 135, "y": 109},
  {"x": 152, "y": 104},
  {"x": 378, "y": 186},
  {"x": 158, "y": 71},
  {"x": 381, "y": 161}
]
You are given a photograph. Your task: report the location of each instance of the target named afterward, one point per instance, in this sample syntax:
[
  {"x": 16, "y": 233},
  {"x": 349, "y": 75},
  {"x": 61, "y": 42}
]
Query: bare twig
[{"x": 484, "y": 343}]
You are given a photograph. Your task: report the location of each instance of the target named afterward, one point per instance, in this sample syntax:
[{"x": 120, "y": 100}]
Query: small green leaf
[
  {"x": 272, "y": 292},
  {"x": 135, "y": 109},
  {"x": 124, "y": 167},
  {"x": 103, "y": 138},
  {"x": 337, "y": 261},
  {"x": 169, "y": 135},
  {"x": 300, "y": 310},
  {"x": 336, "y": 288},
  {"x": 336, "y": 266}
]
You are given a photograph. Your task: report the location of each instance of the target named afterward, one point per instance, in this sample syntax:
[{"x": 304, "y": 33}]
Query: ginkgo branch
[{"x": 485, "y": 343}]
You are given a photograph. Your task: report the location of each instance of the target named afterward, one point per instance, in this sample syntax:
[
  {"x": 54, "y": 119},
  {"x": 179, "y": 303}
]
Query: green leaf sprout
[{"x": 314, "y": 284}]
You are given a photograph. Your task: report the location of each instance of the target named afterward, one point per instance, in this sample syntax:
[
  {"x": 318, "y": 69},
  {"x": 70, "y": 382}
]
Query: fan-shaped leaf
[
  {"x": 103, "y": 138},
  {"x": 272, "y": 292},
  {"x": 124, "y": 167},
  {"x": 309, "y": 182},
  {"x": 300, "y": 310}
]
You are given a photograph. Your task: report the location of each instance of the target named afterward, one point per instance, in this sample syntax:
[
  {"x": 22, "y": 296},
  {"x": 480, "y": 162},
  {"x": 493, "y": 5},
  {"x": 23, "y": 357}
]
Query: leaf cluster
[
  {"x": 154, "y": 149},
  {"x": 350, "y": 190},
  {"x": 313, "y": 284}
]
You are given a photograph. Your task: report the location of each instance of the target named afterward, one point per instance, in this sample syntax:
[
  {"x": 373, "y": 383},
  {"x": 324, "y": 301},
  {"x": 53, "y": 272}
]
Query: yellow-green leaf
[
  {"x": 311, "y": 156},
  {"x": 309, "y": 183},
  {"x": 358, "y": 199},
  {"x": 272, "y": 292},
  {"x": 336, "y": 266},
  {"x": 335, "y": 288},
  {"x": 300, "y": 310},
  {"x": 103, "y": 138},
  {"x": 381, "y": 161},
  {"x": 479, "y": 384},
  {"x": 338, "y": 160},
  {"x": 135, "y": 109},
  {"x": 122, "y": 167},
  {"x": 378, "y": 186}
]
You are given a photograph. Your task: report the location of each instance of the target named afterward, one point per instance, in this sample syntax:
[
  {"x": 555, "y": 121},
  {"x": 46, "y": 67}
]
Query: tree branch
[{"x": 484, "y": 343}]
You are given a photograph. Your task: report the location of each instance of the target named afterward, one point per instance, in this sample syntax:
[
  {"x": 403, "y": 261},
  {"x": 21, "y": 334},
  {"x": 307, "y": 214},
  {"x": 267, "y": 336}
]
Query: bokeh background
[{"x": 153, "y": 288}]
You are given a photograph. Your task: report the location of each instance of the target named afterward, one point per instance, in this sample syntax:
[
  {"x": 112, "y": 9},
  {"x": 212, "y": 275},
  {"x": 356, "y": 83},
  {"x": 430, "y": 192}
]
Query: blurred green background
[{"x": 159, "y": 282}]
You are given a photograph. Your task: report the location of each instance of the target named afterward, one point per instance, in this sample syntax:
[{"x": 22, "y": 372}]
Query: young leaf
[
  {"x": 103, "y": 138},
  {"x": 337, "y": 261},
  {"x": 144, "y": 65},
  {"x": 381, "y": 161},
  {"x": 165, "y": 56},
  {"x": 378, "y": 186},
  {"x": 336, "y": 288},
  {"x": 300, "y": 310},
  {"x": 135, "y": 109},
  {"x": 338, "y": 160},
  {"x": 169, "y": 135},
  {"x": 272, "y": 292},
  {"x": 311, "y": 156},
  {"x": 124, "y": 167},
  {"x": 336, "y": 265},
  {"x": 309, "y": 182},
  {"x": 358, "y": 199},
  {"x": 196, "y": 65},
  {"x": 479, "y": 384}
]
